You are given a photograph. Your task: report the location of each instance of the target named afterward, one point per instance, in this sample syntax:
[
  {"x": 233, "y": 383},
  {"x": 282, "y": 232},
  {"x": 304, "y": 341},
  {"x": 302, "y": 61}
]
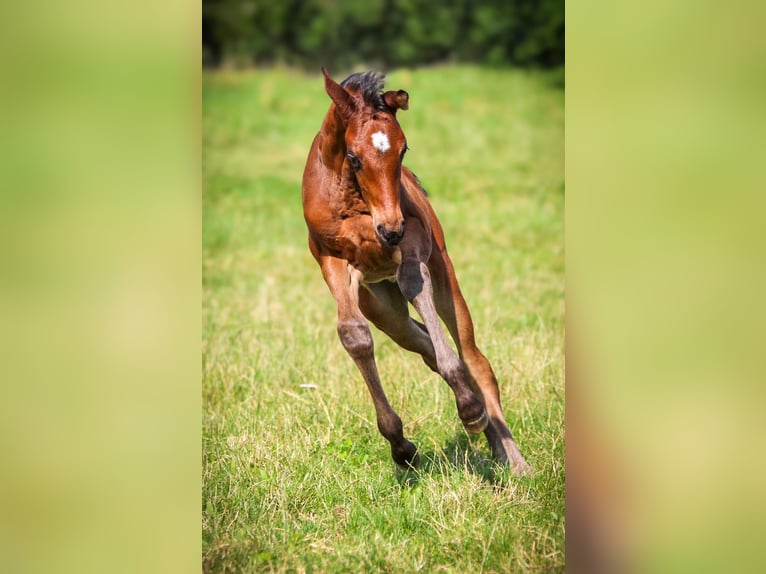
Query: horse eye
[{"x": 355, "y": 163}]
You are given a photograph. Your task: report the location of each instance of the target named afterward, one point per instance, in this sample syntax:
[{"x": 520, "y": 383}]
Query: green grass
[{"x": 295, "y": 474}]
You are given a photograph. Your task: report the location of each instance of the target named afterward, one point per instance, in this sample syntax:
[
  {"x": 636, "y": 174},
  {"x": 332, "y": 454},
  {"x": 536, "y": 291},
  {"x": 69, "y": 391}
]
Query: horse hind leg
[
  {"x": 497, "y": 432},
  {"x": 385, "y": 306}
]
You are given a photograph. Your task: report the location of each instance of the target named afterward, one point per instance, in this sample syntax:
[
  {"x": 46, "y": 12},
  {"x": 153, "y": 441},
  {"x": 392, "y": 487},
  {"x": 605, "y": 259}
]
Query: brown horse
[{"x": 379, "y": 244}]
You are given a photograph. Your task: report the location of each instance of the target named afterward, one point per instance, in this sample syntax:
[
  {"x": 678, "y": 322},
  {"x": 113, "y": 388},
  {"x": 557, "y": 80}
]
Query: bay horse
[{"x": 379, "y": 245}]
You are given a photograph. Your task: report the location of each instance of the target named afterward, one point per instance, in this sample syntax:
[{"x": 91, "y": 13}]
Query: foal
[{"x": 380, "y": 245}]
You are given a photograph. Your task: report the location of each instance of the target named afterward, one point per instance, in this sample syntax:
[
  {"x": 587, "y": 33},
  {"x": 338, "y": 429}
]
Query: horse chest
[{"x": 355, "y": 241}]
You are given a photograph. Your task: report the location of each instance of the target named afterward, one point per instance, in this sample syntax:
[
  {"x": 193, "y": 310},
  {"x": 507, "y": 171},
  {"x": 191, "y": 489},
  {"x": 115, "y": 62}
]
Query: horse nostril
[
  {"x": 395, "y": 237},
  {"x": 390, "y": 237}
]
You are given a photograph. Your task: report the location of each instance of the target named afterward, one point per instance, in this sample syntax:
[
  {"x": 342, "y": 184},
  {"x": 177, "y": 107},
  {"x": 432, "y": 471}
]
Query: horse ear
[
  {"x": 344, "y": 103},
  {"x": 397, "y": 99}
]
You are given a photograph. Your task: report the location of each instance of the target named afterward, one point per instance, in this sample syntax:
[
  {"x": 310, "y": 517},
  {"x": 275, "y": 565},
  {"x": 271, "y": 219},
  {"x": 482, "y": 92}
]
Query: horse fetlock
[
  {"x": 356, "y": 338},
  {"x": 391, "y": 428}
]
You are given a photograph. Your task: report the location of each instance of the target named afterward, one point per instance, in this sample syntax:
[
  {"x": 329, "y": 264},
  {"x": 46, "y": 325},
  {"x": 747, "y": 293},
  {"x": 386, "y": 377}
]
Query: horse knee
[
  {"x": 356, "y": 338},
  {"x": 411, "y": 277}
]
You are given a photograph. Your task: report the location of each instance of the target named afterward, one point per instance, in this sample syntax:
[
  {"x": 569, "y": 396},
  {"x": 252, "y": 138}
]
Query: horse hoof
[
  {"x": 406, "y": 456},
  {"x": 523, "y": 469},
  {"x": 410, "y": 463},
  {"x": 478, "y": 425}
]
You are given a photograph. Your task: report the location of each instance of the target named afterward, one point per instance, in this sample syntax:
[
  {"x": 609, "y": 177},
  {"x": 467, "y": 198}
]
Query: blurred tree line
[{"x": 382, "y": 33}]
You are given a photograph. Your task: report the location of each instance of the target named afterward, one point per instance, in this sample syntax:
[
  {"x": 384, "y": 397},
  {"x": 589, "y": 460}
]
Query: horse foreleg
[
  {"x": 354, "y": 334},
  {"x": 454, "y": 311},
  {"x": 414, "y": 280}
]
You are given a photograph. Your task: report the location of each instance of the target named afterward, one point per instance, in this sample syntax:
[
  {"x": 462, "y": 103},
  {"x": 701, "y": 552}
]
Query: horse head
[{"x": 374, "y": 145}]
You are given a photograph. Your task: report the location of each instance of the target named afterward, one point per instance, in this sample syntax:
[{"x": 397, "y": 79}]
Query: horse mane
[{"x": 370, "y": 85}]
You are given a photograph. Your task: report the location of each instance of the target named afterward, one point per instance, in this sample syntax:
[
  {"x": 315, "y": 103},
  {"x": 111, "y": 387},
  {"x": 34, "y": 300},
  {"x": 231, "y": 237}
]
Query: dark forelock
[{"x": 370, "y": 85}]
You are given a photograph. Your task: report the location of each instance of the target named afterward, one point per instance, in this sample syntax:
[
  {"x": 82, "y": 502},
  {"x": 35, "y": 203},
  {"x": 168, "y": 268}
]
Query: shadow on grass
[{"x": 460, "y": 454}]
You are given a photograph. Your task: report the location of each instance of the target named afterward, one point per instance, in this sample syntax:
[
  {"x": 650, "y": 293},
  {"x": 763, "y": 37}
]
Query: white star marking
[{"x": 380, "y": 141}]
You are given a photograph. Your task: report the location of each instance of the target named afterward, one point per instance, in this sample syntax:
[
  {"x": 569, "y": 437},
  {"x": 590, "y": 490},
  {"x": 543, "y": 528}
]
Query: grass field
[{"x": 295, "y": 474}]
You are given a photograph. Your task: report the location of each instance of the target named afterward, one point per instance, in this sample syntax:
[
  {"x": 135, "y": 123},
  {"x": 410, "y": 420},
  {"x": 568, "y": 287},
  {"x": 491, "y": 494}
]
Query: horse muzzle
[{"x": 390, "y": 236}]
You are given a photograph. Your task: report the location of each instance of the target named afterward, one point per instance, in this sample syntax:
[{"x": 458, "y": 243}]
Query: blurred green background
[{"x": 382, "y": 33}]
